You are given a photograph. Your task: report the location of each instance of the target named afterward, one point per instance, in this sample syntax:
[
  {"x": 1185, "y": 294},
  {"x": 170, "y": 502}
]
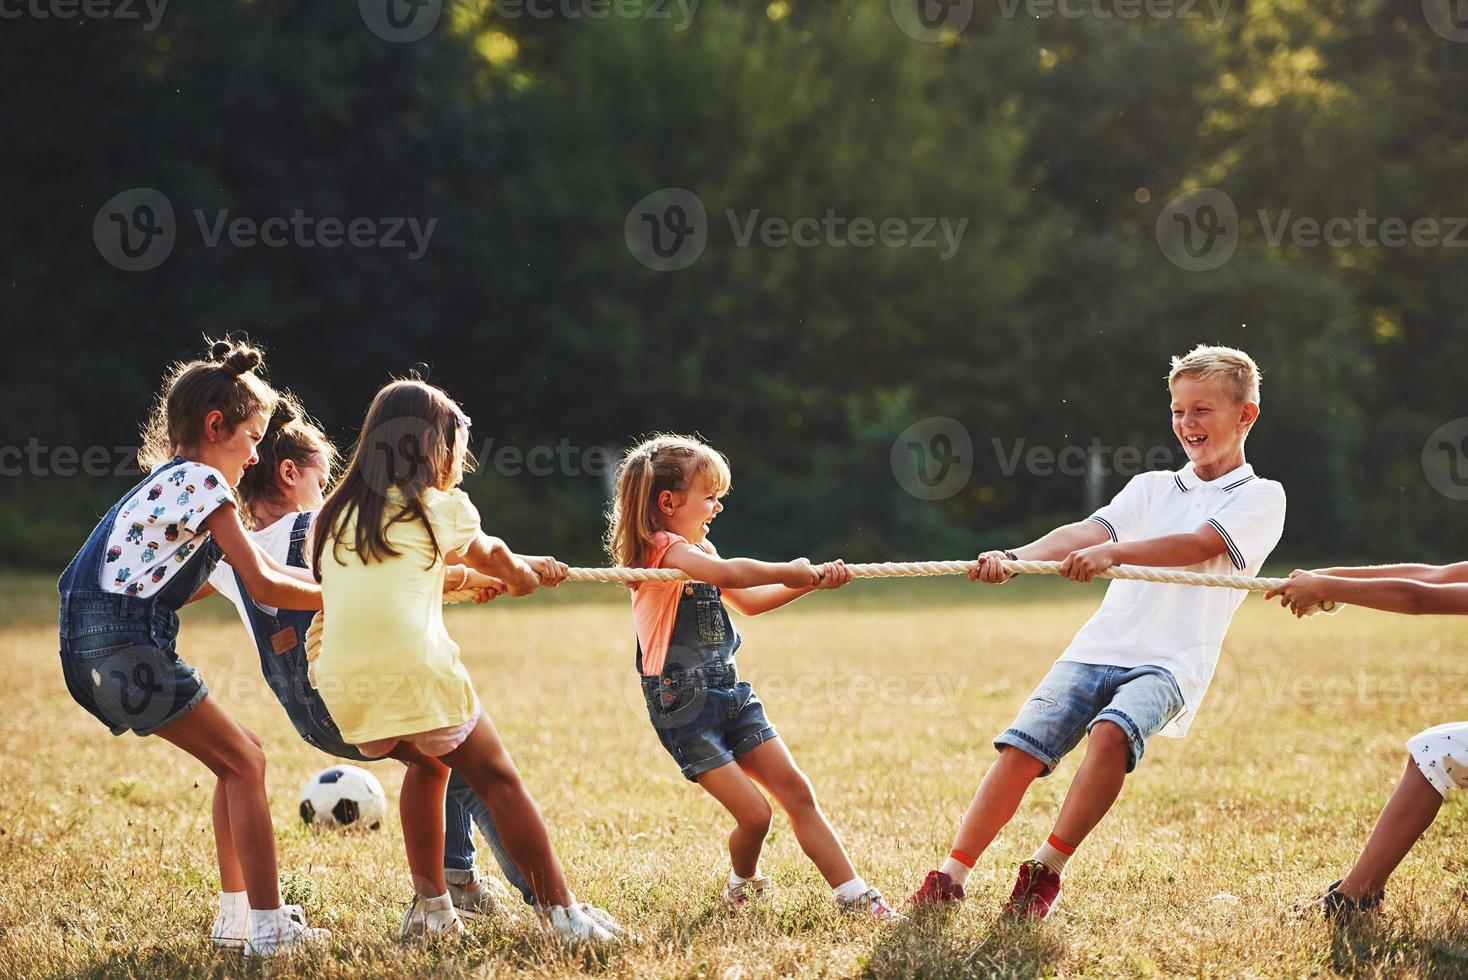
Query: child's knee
[
  {"x": 244, "y": 761},
  {"x": 797, "y": 794},
  {"x": 1108, "y": 738},
  {"x": 1019, "y": 760},
  {"x": 756, "y": 820}
]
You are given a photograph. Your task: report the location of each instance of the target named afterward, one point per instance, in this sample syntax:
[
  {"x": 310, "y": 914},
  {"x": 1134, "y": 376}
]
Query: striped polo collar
[{"x": 1186, "y": 479}]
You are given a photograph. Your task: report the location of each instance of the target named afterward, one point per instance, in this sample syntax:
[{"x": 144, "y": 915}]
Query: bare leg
[
  {"x": 487, "y": 768},
  {"x": 730, "y": 786},
  {"x": 420, "y": 806},
  {"x": 1407, "y": 815},
  {"x": 234, "y": 755},
  {"x": 997, "y": 799},
  {"x": 1096, "y": 785},
  {"x": 772, "y": 766},
  {"x": 231, "y": 878}
]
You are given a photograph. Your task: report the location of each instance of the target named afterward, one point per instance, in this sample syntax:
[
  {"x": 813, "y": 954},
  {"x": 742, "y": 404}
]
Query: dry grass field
[{"x": 887, "y": 693}]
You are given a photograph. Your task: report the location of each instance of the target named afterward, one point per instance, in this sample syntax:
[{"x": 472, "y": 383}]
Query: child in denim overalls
[
  {"x": 119, "y": 621},
  {"x": 710, "y": 722},
  {"x": 281, "y": 492}
]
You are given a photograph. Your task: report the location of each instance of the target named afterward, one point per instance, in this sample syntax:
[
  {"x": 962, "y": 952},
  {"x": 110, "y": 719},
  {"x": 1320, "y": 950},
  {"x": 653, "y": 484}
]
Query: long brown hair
[
  {"x": 226, "y": 381},
  {"x": 291, "y": 435},
  {"x": 661, "y": 462},
  {"x": 410, "y": 441}
]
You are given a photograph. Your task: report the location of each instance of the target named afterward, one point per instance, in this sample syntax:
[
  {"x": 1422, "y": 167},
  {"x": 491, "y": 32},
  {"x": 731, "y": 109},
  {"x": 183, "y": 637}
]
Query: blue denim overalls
[
  {"x": 281, "y": 642},
  {"x": 117, "y": 651},
  {"x": 704, "y": 715}
]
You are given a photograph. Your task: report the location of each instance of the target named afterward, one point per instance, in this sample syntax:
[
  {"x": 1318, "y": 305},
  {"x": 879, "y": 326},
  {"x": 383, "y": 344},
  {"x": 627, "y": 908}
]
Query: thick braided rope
[
  {"x": 914, "y": 569},
  {"x": 886, "y": 569}
]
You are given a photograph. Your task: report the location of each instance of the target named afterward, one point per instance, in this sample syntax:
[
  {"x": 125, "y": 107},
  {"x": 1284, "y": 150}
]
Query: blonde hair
[
  {"x": 1206, "y": 362},
  {"x": 658, "y": 463}
]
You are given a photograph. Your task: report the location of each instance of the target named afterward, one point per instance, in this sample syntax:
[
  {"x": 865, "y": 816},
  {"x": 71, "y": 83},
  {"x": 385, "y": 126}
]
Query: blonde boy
[{"x": 1143, "y": 662}]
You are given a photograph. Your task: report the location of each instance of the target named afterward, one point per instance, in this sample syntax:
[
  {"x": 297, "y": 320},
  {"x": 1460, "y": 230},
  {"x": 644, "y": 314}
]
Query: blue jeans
[
  {"x": 1073, "y": 698},
  {"x": 463, "y": 809}
]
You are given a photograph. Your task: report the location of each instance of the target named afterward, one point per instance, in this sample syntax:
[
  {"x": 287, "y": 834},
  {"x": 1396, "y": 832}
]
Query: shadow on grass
[
  {"x": 1381, "y": 948},
  {"x": 937, "y": 944}
]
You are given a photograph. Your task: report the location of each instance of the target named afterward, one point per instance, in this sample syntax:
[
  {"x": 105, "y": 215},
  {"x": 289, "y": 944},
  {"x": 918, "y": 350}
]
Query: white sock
[
  {"x": 1051, "y": 857},
  {"x": 956, "y": 869},
  {"x": 735, "y": 881},
  {"x": 850, "y": 891},
  {"x": 436, "y": 903},
  {"x": 268, "y": 924},
  {"x": 234, "y": 909}
]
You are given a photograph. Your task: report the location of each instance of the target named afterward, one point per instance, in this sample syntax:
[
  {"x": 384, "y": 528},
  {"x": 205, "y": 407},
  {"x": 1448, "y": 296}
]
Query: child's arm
[
  {"x": 1432, "y": 574},
  {"x": 741, "y": 573},
  {"x": 1058, "y": 544},
  {"x": 462, "y": 578},
  {"x": 1306, "y": 590},
  {"x": 265, "y": 580},
  {"x": 493, "y": 557},
  {"x": 762, "y": 598},
  {"x": 1167, "y": 551}
]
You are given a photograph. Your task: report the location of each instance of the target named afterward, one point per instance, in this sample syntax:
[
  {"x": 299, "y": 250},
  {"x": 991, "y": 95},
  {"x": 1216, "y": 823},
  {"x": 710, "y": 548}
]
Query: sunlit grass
[{"x": 888, "y": 694}]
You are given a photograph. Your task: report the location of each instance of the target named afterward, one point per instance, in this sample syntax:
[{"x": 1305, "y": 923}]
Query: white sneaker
[
  {"x": 482, "y": 896},
  {"x": 738, "y": 896},
  {"x": 430, "y": 919},
  {"x": 287, "y": 934},
  {"x": 872, "y": 903},
  {"x": 574, "y": 925},
  {"x": 229, "y": 935}
]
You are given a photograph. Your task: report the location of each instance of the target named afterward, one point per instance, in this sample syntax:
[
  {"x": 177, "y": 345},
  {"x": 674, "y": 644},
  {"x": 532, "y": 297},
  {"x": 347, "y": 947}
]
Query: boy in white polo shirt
[{"x": 1143, "y": 662}]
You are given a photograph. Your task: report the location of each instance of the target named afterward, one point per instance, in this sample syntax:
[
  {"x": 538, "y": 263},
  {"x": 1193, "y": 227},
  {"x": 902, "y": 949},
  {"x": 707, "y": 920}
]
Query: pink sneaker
[
  {"x": 938, "y": 889},
  {"x": 1036, "y": 893}
]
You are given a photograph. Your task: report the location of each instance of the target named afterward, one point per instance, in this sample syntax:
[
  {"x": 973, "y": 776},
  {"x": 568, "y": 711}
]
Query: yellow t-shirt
[{"x": 388, "y": 667}]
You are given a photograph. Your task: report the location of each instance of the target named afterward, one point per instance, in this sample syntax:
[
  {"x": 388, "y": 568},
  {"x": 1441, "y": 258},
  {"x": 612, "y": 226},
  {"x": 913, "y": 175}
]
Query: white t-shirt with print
[
  {"x": 1180, "y": 627},
  {"x": 160, "y": 527},
  {"x": 275, "y": 541}
]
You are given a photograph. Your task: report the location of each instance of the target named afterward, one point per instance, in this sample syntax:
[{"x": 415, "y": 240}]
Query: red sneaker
[
  {"x": 1036, "y": 893},
  {"x": 938, "y": 889}
]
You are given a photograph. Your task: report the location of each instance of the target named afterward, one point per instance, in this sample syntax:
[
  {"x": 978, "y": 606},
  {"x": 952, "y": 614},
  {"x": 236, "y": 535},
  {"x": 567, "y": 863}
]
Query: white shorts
[
  {"x": 435, "y": 742},
  {"x": 1441, "y": 753}
]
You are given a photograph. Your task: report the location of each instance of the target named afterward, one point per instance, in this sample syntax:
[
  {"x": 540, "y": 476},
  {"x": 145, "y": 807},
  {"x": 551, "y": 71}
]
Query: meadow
[{"x": 887, "y": 693}]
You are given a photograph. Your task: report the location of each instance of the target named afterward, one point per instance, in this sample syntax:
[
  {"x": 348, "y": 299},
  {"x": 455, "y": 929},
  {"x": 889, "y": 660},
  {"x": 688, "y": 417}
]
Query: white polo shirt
[{"x": 1180, "y": 627}]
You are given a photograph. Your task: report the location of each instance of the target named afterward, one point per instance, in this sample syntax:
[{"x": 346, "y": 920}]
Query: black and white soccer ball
[{"x": 343, "y": 797}]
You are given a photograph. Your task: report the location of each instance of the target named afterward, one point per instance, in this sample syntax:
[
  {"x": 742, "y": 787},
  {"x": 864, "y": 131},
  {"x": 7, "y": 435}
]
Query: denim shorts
[
  {"x": 131, "y": 686},
  {"x": 1073, "y": 697},
  {"x": 704, "y": 724}
]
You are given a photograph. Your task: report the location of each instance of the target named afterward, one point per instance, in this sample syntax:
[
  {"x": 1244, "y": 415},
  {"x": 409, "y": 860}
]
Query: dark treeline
[{"x": 526, "y": 140}]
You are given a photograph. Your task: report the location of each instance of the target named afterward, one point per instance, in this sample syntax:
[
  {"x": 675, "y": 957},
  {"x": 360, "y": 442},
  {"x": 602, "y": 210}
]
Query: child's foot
[
  {"x": 738, "y": 896},
  {"x": 574, "y": 925},
  {"x": 1338, "y": 909},
  {"x": 282, "y": 930},
  {"x": 938, "y": 889},
  {"x": 478, "y": 895},
  {"x": 430, "y": 919},
  {"x": 229, "y": 932},
  {"x": 1036, "y": 893},
  {"x": 872, "y": 903}
]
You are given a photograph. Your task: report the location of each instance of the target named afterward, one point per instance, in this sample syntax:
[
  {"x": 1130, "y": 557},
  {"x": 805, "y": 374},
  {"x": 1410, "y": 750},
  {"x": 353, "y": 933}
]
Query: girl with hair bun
[{"x": 120, "y": 598}]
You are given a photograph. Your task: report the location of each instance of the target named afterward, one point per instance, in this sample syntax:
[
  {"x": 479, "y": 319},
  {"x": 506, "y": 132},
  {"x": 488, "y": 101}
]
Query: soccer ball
[{"x": 343, "y": 796}]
